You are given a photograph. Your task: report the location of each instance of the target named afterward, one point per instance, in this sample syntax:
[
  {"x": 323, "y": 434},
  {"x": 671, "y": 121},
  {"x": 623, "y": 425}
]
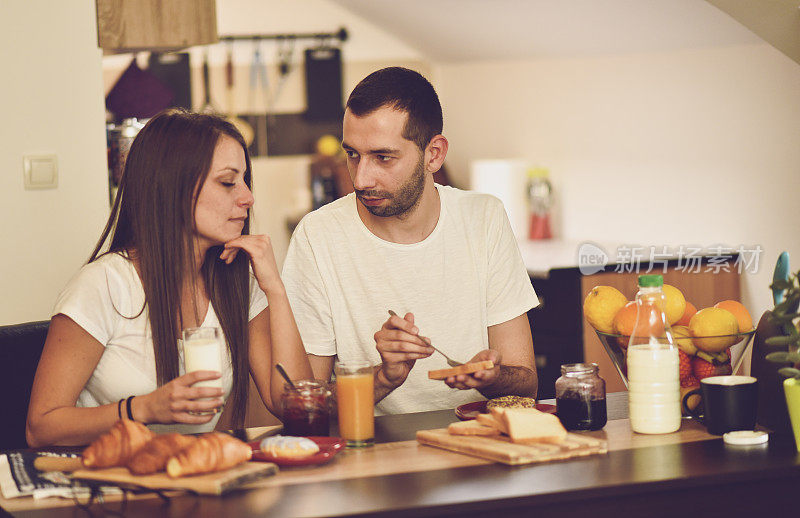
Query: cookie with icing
[{"x": 285, "y": 447}]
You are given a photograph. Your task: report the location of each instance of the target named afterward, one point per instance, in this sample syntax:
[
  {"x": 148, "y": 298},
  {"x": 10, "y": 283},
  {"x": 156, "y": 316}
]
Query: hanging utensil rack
[{"x": 340, "y": 35}]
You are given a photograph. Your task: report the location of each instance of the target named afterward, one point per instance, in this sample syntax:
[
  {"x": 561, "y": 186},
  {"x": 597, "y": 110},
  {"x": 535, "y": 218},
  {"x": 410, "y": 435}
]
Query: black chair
[{"x": 20, "y": 349}]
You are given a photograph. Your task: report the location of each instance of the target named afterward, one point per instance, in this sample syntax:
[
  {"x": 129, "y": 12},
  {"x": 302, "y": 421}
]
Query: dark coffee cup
[{"x": 729, "y": 403}]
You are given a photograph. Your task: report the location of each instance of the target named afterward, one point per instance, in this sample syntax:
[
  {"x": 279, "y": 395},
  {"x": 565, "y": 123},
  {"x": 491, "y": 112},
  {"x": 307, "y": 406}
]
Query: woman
[{"x": 179, "y": 256}]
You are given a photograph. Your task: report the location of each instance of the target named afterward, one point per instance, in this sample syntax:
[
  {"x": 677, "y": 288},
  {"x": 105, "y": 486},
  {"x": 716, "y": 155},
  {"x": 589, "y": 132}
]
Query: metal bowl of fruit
[
  {"x": 700, "y": 356},
  {"x": 712, "y": 341}
]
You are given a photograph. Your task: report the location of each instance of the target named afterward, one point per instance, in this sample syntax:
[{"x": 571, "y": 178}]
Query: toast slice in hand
[{"x": 467, "y": 368}]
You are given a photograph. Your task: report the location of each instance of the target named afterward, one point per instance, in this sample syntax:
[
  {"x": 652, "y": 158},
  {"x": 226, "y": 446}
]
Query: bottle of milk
[{"x": 653, "y": 364}]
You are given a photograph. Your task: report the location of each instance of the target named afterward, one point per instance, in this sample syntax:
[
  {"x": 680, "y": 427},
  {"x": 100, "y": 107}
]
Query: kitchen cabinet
[
  {"x": 556, "y": 326},
  {"x": 561, "y": 334},
  {"x": 157, "y": 25}
]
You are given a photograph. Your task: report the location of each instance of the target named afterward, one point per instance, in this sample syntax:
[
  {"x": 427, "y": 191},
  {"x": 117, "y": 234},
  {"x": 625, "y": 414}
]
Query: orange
[
  {"x": 674, "y": 303},
  {"x": 625, "y": 322},
  {"x": 687, "y": 315},
  {"x": 743, "y": 317},
  {"x": 712, "y": 329},
  {"x": 625, "y": 319},
  {"x": 600, "y": 306}
]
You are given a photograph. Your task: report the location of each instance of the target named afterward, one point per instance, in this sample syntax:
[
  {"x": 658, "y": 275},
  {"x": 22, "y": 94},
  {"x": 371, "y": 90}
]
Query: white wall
[
  {"x": 52, "y": 102},
  {"x": 689, "y": 147},
  {"x": 366, "y": 41}
]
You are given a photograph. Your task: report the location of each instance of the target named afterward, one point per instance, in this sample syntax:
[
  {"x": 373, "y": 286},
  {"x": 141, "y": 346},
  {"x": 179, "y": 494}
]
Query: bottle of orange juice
[{"x": 653, "y": 364}]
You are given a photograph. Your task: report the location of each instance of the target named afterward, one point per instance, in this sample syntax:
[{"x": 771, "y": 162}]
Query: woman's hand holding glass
[{"x": 179, "y": 402}]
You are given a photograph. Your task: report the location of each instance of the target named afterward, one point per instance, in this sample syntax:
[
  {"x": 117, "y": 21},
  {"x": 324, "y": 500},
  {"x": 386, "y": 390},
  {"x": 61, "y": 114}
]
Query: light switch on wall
[{"x": 40, "y": 171}]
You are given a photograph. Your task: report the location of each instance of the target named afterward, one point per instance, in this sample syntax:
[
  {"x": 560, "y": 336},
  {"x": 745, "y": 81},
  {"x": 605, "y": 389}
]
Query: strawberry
[
  {"x": 685, "y": 366},
  {"x": 691, "y": 381},
  {"x": 703, "y": 369}
]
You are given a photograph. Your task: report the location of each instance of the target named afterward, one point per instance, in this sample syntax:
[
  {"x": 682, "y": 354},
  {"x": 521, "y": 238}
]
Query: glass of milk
[{"x": 202, "y": 351}]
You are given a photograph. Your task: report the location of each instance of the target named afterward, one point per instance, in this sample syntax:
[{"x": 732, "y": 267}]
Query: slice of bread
[
  {"x": 531, "y": 426},
  {"x": 497, "y": 415},
  {"x": 490, "y": 420},
  {"x": 467, "y": 368},
  {"x": 471, "y": 428}
]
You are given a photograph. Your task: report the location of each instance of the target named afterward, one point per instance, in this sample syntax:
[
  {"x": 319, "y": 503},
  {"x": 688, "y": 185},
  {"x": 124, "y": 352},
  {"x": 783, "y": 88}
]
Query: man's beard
[{"x": 404, "y": 200}]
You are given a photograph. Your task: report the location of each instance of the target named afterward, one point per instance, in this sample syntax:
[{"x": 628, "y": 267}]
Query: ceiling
[{"x": 469, "y": 30}]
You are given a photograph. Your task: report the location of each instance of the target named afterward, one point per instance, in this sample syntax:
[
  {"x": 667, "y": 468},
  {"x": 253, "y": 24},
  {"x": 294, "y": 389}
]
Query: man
[{"x": 445, "y": 259}]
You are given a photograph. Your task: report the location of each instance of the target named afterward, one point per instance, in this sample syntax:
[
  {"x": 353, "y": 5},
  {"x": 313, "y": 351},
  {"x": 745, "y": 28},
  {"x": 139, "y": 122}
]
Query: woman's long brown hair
[{"x": 153, "y": 218}]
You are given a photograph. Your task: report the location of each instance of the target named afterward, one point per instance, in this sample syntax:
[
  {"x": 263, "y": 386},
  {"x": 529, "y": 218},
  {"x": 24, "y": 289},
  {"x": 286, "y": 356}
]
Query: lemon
[
  {"x": 600, "y": 306},
  {"x": 674, "y": 303},
  {"x": 709, "y": 327},
  {"x": 683, "y": 339},
  {"x": 328, "y": 145}
]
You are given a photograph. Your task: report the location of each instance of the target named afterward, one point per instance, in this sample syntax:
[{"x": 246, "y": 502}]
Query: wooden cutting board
[
  {"x": 501, "y": 449},
  {"x": 209, "y": 484}
]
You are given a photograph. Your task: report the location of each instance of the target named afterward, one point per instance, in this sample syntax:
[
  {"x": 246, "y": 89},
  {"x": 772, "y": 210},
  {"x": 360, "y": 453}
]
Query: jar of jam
[
  {"x": 306, "y": 408},
  {"x": 581, "y": 397}
]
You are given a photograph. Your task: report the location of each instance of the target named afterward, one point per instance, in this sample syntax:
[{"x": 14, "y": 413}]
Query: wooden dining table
[{"x": 688, "y": 472}]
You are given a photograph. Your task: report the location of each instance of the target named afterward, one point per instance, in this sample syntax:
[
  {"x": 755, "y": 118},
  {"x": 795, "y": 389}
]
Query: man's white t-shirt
[
  {"x": 466, "y": 275},
  {"x": 106, "y": 298}
]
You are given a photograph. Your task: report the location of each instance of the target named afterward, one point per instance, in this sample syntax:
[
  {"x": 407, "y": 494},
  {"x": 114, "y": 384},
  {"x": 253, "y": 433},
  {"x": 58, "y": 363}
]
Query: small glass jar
[
  {"x": 306, "y": 408},
  {"x": 581, "y": 397}
]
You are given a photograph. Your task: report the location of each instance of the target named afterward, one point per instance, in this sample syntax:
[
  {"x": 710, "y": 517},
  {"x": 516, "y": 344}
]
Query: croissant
[
  {"x": 154, "y": 455},
  {"x": 210, "y": 452},
  {"x": 116, "y": 446}
]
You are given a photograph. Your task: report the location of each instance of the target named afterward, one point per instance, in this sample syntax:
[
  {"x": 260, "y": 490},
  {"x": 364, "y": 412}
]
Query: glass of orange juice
[{"x": 355, "y": 400}]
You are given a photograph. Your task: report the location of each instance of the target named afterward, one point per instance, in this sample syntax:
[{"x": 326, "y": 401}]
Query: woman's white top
[{"x": 106, "y": 298}]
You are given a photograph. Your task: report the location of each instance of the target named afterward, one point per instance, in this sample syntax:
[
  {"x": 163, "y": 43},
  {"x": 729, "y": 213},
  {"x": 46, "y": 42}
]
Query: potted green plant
[{"x": 785, "y": 317}]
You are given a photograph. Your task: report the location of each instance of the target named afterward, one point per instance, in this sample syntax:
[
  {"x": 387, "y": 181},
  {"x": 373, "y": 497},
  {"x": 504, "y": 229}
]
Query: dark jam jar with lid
[
  {"x": 306, "y": 409},
  {"x": 581, "y": 397}
]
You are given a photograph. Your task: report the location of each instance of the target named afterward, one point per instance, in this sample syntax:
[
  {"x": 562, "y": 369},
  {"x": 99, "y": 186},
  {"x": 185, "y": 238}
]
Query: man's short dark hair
[{"x": 405, "y": 90}]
